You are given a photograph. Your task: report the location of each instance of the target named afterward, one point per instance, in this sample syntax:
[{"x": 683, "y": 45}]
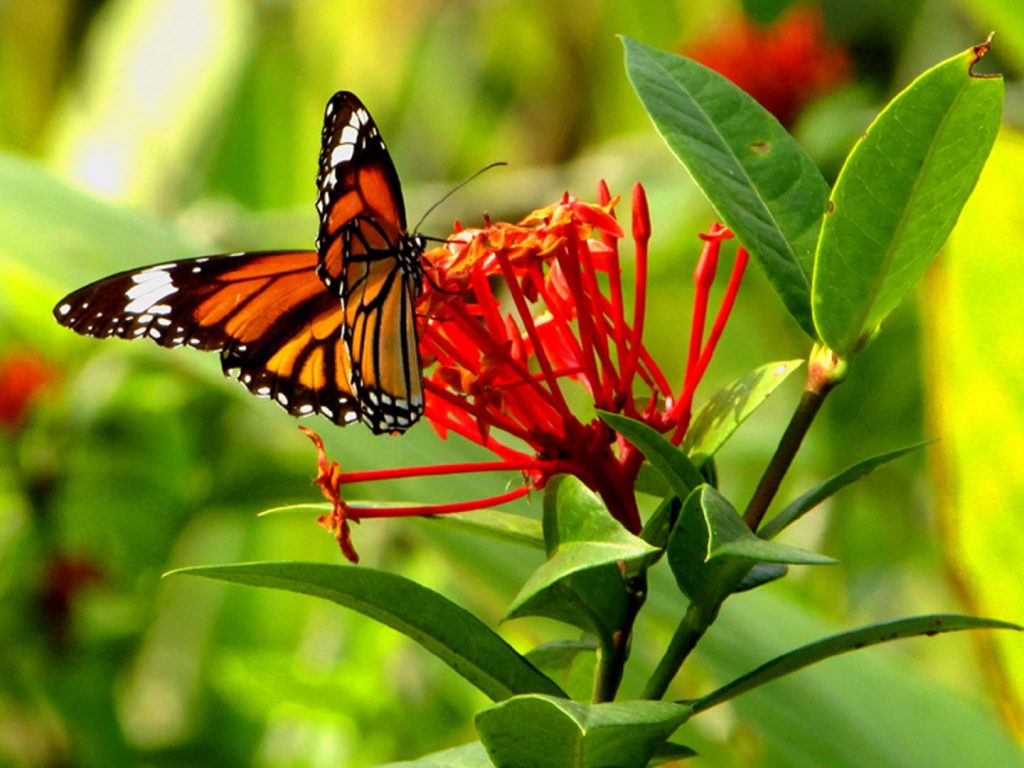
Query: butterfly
[{"x": 330, "y": 331}]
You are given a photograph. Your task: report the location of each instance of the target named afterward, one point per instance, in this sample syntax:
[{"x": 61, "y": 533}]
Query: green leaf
[
  {"x": 570, "y": 663},
  {"x": 445, "y": 629},
  {"x": 495, "y": 524},
  {"x": 680, "y": 473},
  {"x": 706, "y": 583},
  {"x": 580, "y": 582},
  {"x": 761, "y": 183},
  {"x": 729, "y": 407},
  {"x": 471, "y": 755},
  {"x": 711, "y": 551},
  {"x": 898, "y": 196},
  {"x": 843, "y": 643},
  {"x": 808, "y": 501},
  {"x": 546, "y": 732},
  {"x": 761, "y": 574},
  {"x": 670, "y": 752},
  {"x": 729, "y": 536}
]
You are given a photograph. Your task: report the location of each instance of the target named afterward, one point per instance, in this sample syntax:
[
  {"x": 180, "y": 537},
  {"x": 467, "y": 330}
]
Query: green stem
[
  {"x": 615, "y": 647},
  {"x": 824, "y": 371},
  {"x": 689, "y": 632}
]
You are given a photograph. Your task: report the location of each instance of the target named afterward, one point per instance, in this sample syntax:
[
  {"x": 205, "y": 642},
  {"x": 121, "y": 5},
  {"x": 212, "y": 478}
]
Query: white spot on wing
[
  {"x": 64, "y": 309},
  {"x": 342, "y": 153},
  {"x": 150, "y": 287}
]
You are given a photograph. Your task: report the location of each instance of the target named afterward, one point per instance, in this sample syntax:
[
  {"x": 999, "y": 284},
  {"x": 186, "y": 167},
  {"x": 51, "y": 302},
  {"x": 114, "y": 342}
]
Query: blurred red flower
[
  {"x": 23, "y": 376},
  {"x": 783, "y": 65}
]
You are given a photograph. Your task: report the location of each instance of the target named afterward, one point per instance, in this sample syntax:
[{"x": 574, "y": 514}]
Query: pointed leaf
[
  {"x": 706, "y": 583},
  {"x": 729, "y": 536},
  {"x": 677, "y": 470},
  {"x": 761, "y": 183},
  {"x": 720, "y": 416},
  {"x": 899, "y": 195},
  {"x": 580, "y": 582},
  {"x": 843, "y": 643},
  {"x": 546, "y": 732},
  {"x": 711, "y": 551},
  {"x": 808, "y": 501},
  {"x": 445, "y": 629}
]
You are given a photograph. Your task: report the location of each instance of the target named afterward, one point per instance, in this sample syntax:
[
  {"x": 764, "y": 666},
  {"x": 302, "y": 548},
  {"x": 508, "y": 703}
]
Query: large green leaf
[
  {"x": 762, "y": 184},
  {"x": 899, "y": 195},
  {"x": 730, "y": 406},
  {"x": 546, "y": 732},
  {"x": 580, "y": 582},
  {"x": 448, "y": 631},
  {"x": 844, "y": 643}
]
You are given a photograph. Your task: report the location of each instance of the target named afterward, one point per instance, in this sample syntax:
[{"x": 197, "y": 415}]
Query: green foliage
[
  {"x": 143, "y": 462},
  {"x": 724, "y": 411},
  {"x": 460, "y": 639},
  {"x": 546, "y": 732},
  {"x": 762, "y": 184},
  {"x": 899, "y": 195}
]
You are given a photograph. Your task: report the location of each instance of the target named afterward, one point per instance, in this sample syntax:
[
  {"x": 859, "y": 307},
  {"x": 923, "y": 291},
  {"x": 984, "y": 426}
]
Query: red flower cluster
[
  {"x": 783, "y": 65},
  {"x": 525, "y": 332},
  {"x": 23, "y": 376}
]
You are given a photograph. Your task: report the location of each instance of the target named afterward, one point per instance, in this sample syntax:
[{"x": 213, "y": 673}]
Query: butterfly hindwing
[
  {"x": 266, "y": 313},
  {"x": 370, "y": 260}
]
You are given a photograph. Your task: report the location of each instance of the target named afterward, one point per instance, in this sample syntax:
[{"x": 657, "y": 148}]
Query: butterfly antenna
[{"x": 455, "y": 189}]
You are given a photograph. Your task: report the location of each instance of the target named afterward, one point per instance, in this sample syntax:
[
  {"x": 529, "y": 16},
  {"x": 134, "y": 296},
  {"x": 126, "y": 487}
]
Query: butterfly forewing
[{"x": 267, "y": 313}]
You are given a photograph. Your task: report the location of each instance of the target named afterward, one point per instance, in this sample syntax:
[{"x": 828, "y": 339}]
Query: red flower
[
  {"x": 23, "y": 375},
  {"x": 518, "y": 320},
  {"x": 783, "y": 65}
]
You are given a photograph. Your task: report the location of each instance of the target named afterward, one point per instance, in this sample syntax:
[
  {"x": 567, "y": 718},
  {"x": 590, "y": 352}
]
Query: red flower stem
[
  {"x": 703, "y": 277},
  {"x": 362, "y": 513},
  {"x": 570, "y": 264},
  {"x": 474, "y": 410},
  {"x": 525, "y": 465},
  {"x": 721, "y": 318},
  {"x": 516, "y": 292},
  {"x": 484, "y": 342},
  {"x": 609, "y": 380},
  {"x": 653, "y": 377},
  {"x": 641, "y": 236},
  {"x": 617, "y": 311},
  {"x": 559, "y": 315}
]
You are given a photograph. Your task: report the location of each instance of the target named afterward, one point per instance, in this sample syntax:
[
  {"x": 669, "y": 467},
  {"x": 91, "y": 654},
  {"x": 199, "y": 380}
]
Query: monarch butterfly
[{"x": 330, "y": 331}]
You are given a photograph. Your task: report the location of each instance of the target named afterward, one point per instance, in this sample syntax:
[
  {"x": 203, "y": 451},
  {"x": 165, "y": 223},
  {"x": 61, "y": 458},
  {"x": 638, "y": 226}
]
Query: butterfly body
[{"x": 330, "y": 331}]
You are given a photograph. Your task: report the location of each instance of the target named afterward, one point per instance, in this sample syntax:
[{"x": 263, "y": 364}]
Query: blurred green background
[{"x": 135, "y": 131}]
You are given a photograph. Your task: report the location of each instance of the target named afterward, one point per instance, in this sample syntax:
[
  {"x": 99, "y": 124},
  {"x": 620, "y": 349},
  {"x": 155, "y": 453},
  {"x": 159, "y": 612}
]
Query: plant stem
[
  {"x": 615, "y": 648},
  {"x": 824, "y": 372},
  {"x": 691, "y": 629}
]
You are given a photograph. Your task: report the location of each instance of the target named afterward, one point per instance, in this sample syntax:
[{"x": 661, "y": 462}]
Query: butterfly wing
[
  {"x": 368, "y": 258},
  {"x": 266, "y": 312}
]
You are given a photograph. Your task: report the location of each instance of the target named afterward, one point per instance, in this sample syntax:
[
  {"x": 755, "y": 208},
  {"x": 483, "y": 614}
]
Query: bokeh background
[{"x": 136, "y": 131}]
